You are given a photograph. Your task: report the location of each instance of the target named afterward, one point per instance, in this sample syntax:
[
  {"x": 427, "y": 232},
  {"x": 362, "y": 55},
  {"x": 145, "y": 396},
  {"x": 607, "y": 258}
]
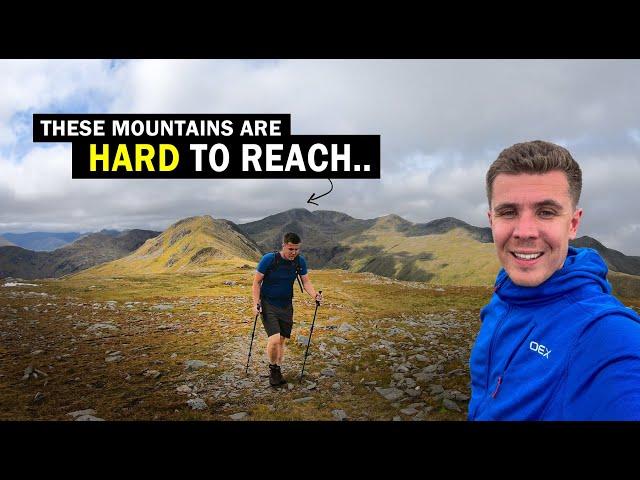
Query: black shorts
[{"x": 277, "y": 319}]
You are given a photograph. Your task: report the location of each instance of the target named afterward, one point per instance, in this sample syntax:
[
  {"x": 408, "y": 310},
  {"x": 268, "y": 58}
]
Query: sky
[{"x": 441, "y": 122}]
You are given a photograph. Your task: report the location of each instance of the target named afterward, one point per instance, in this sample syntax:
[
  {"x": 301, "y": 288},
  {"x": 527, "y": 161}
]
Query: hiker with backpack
[{"x": 273, "y": 295}]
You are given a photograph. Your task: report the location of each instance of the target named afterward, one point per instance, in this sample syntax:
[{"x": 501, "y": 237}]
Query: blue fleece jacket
[{"x": 564, "y": 350}]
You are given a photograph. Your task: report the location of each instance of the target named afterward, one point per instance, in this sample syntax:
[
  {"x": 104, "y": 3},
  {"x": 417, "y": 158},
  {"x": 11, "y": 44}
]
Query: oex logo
[{"x": 541, "y": 349}]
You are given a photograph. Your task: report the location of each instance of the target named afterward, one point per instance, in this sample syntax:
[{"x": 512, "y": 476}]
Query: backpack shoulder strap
[
  {"x": 274, "y": 264},
  {"x": 298, "y": 270}
]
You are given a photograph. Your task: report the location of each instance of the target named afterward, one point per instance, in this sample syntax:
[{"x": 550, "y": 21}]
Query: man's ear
[
  {"x": 490, "y": 218},
  {"x": 576, "y": 218}
]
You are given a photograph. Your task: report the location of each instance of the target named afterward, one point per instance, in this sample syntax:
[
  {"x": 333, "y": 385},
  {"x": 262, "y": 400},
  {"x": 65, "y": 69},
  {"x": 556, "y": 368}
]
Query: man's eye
[
  {"x": 507, "y": 213},
  {"x": 546, "y": 213}
]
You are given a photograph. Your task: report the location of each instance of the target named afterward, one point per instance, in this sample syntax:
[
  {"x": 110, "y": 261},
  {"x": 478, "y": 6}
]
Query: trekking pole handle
[{"x": 317, "y": 302}]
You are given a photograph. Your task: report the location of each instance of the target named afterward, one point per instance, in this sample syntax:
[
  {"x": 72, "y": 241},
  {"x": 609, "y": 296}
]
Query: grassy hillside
[
  {"x": 624, "y": 285},
  {"x": 154, "y": 346},
  {"x": 445, "y": 251},
  {"x": 452, "y": 258},
  {"x": 174, "y": 346},
  {"x": 190, "y": 245}
]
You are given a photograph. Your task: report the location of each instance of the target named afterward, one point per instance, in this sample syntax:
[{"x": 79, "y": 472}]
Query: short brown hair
[
  {"x": 291, "y": 238},
  {"x": 537, "y": 157}
]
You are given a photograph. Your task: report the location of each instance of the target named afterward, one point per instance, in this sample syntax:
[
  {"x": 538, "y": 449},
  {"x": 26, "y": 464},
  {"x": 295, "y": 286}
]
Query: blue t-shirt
[{"x": 277, "y": 286}]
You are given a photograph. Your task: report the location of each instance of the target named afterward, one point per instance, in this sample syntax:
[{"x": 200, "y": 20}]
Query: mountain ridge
[
  {"x": 445, "y": 250},
  {"x": 192, "y": 244},
  {"x": 81, "y": 254}
]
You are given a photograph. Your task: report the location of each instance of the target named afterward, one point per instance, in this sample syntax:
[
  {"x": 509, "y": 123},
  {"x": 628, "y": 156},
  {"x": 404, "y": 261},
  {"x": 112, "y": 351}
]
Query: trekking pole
[
  {"x": 246, "y": 370},
  {"x": 309, "y": 342}
]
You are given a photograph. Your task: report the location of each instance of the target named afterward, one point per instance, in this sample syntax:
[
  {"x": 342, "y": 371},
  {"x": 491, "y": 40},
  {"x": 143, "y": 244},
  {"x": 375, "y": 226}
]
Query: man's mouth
[{"x": 527, "y": 256}]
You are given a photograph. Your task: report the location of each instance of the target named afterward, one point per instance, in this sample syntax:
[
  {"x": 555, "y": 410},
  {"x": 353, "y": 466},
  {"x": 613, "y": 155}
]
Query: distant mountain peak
[
  {"x": 394, "y": 217},
  {"x": 331, "y": 212},
  {"x": 204, "y": 221},
  {"x": 299, "y": 214},
  {"x": 393, "y": 220},
  {"x": 6, "y": 243},
  {"x": 449, "y": 221},
  {"x": 193, "y": 219},
  {"x": 614, "y": 259},
  {"x": 333, "y": 217},
  {"x": 587, "y": 240},
  {"x": 444, "y": 225},
  {"x": 109, "y": 231},
  {"x": 197, "y": 243}
]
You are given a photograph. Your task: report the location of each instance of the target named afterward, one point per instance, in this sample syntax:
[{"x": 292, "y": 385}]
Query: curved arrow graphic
[{"x": 313, "y": 197}]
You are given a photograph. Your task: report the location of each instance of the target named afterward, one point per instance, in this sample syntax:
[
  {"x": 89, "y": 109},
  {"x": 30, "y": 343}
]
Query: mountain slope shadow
[{"x": 399, "y": 265}]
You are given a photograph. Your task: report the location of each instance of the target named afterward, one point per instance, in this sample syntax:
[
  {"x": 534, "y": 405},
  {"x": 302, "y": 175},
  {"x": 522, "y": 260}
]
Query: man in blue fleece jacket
[{"x": 554, "y": 343}]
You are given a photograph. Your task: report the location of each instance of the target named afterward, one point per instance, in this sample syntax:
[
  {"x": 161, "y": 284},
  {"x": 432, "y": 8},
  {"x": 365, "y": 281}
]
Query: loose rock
[
  {"x": 339, "y": 414},
  {"x": 197, "y": 404}
]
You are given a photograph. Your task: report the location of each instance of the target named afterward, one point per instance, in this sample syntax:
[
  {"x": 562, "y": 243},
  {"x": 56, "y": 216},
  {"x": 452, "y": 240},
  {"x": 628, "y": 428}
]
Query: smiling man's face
[{"x": 532, "y": 219}]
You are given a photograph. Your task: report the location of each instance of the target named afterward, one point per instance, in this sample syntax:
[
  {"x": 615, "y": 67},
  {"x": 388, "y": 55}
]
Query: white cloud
[
  {"x": 33, "y": 85},
  {"x": 441, "y": 123}
]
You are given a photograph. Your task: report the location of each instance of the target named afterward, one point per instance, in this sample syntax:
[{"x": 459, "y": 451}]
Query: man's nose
[{"x": 526, "y": 226}]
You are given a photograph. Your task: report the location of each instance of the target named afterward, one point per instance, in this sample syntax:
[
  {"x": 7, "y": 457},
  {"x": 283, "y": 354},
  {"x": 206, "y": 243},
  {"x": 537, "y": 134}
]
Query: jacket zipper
[
  {"x": 497, "y": 287},
  {"x": 495, "y": 392},
  {"x": 508, "y": 362},
  {"x": 495, "y": 333},
  {"x": 491, "y": 346}
]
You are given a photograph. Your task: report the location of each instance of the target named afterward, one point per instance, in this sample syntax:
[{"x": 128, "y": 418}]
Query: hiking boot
[
  {"x": 274, "y": 375},
  {"x": 282, "y": 380}
]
